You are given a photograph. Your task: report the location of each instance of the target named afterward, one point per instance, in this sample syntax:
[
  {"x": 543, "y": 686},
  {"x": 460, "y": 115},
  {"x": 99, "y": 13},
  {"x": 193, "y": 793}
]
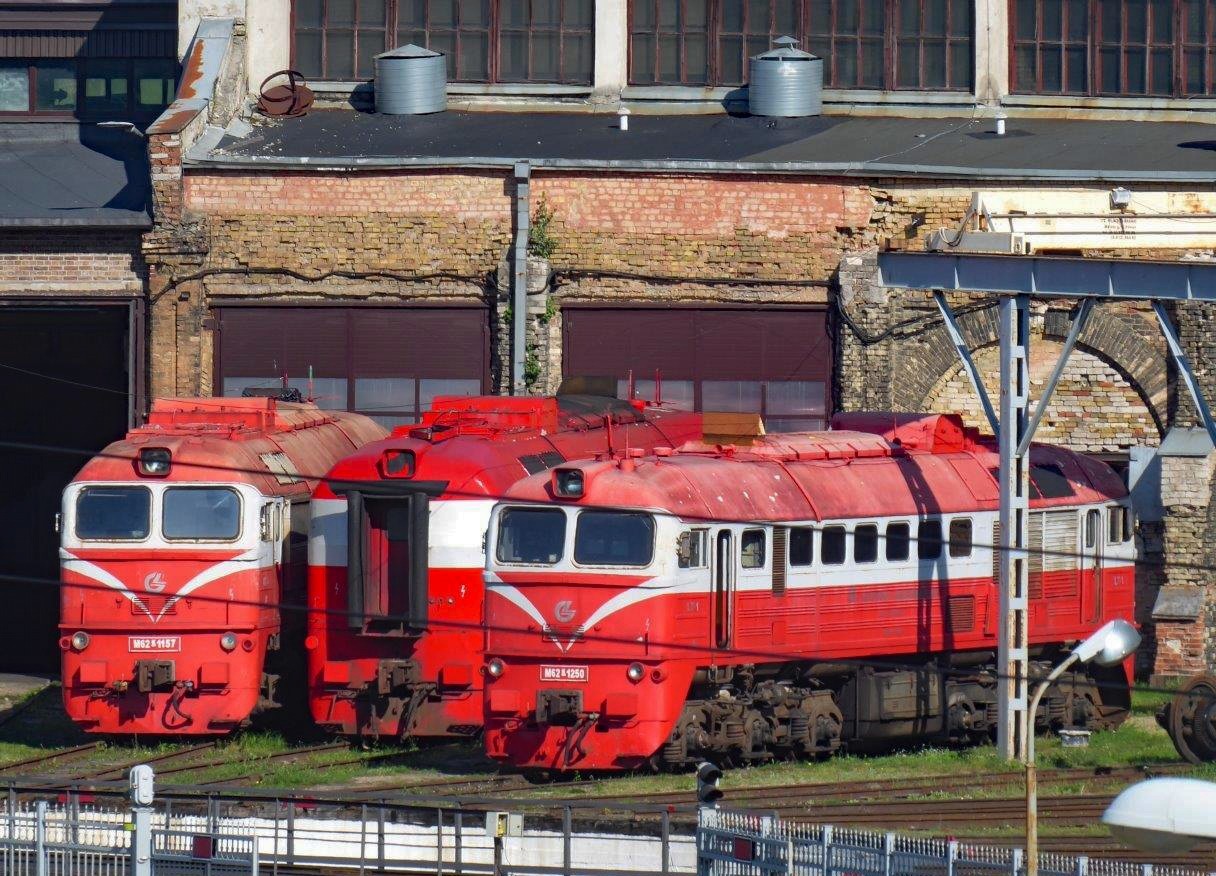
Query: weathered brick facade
[{"x": 86, "y": 262}]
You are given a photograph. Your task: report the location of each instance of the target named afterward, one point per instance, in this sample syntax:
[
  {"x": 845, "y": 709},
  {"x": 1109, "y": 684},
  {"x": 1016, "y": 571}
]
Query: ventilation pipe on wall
[{"x": 519, "y": 277}]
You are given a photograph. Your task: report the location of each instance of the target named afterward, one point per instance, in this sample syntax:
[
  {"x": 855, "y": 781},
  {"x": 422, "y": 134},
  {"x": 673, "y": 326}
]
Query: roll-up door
[
  {"x": 385, "y": 362},
  {"x": 772, "y": 361}
]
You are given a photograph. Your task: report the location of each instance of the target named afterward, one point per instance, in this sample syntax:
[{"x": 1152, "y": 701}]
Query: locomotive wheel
[{"x": 1192, "y": 720}]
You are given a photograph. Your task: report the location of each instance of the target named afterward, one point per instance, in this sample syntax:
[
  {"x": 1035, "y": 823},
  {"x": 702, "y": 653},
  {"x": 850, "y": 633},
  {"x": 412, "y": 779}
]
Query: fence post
[
  {"x": 1082, "y": 865},
  {"x": 380, "y": 836},
  {"x": 566, "y": 841},
  {"x": 459, "y": 841},
  {"x": 1146, "y": 870},
  {"x": 274, "y": 863},
  {"x": 40, "y": 861},
  {"x": 951, "y": 856},
  {"x": 827, "y": 850},
  {"x": 362, "y": 836},
  {"x": 438, "y": 841},
  {"x": 888, "y": 854},
  {"x": 666, "y": 840},
  {"x": 1015, "y": 862},
  {"x": 291, "y": 832}
]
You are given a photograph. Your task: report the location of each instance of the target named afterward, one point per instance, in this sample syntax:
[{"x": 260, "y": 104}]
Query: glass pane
[
  {"x": 641, "y": 59},
  {"x": 308, "y": 54},
  {"x": 527, "y": 535},
  {"x": 1078, "y": 20},
  {"x": 696, "y": 14},
  {"x": 1053, "y": 12},
  {"x": 1074, "y": 61},
  {"x": 960, "y": 537},
  {"x": 865, "y": 543},
  {"x": 731, "y": 13},
  {"x": 873, "y": 17},
  {"x": 578, "y": 13},
  {"x": 730, "y": 59},
  {"x": 371, "y": 43},
  {"x": 846, "y": 65},
  {"x": 929, "y": 539},
  {"x": 933, "y": 55},
  {"x": 545, "y": 56},
  {"x": 155, "y": 83},
  {"x": 696, "y": 58},
  {"x": 1108, "y": 60},
  {"x": 442, "y": 13},
  {"x": 546, "y": 13},
  {"x": 55, "y": 86},
  {"x": 785, "y": 19},
  {"x": 201, "y": 513},
  {"x": 1193, "y": 20},
  {"x": 371, "y": 12},
  {"x": 1162, "y": 72},
  {"x": 105, "y": 87},
  {"x": 1053, "y": 74},
  {"x": 308, "y": 13},
  {"x": 960, "y": 18},
  {"x": 113, "y": 513},
  {"x": 475, "y": 56},
  {"x": 909, "y": 17},
  {"x": 871, "y": 64},
  {"x": 384, "y": 393},
  {"x": 1136, "y": 12},
  {"x": 614, "y": 538},
  {"x": 476, "y": 13},
  {"x": 340, "y": 63},
  {"x": 513, "y": 55},
  {"x": 805, "y": 397},
  {"x": 730, "y": 395},
  {"x": 677, "y": 394},
  {"x": 1192, "y": 71},
  {"x": 1112, "y": 25},
  {"x": 577, "y": 57},
  {"x": 669, "y": 14},
  {"x": 898, "y": 539},
  {"x": 801, "y": 546},
  {"x": 14, "y": 88},
  {"x": 962, "y": 65},
  {"x": 233, "y": 387},
  {"x": 411, "y": 14},
  {"x": 935, "y": 18},
  {"x": 751, "y": 549},
  {"x": 773, "y": 425},
  {"x": 513, "y": 13},
  {"x": 328, "y": 392},
  {"x": 669, "y": 59},
  {"x": 846, "y": 16},
  {"x": 1024, "y": 71},
  {"x": 831, "y": 546},
  {"x": 431, "y": 387},
  {"x": 908, "y": 69},
  {"x": 340, "y": 13},
  {"x": 1134, "y": 61},
  {"x": 643, "y": 13},
  {"x": 819, "y": 15},
  {"x": 1163, "y": 21}
]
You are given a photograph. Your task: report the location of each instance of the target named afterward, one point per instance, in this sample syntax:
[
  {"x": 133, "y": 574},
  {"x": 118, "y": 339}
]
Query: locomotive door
[
  {"x": 724, "y": 585},
  {"x": 1091, "y": 566}
]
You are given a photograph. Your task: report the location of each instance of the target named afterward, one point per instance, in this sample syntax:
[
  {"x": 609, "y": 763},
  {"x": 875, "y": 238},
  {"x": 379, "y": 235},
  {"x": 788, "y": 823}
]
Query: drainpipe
[{"x": 519, "y": 277}]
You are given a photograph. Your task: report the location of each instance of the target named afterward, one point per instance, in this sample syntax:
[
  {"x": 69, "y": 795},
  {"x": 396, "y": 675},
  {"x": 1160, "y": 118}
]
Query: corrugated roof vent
[
  {"x": 411, "y": 80},
  {"x": 785, "y": 81}
]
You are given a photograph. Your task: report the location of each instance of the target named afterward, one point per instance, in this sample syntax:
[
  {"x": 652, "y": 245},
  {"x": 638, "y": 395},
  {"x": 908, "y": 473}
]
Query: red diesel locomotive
[
  {"x": 786, "y": 599},
  {"x": 395, "y": 640},
  {"x": 183, "y": 540}
]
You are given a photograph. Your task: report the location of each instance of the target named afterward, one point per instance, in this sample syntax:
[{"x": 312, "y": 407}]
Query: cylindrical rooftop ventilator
[
  {"x": 785, "y": 81},
  {"x": 411, "y": 80}
]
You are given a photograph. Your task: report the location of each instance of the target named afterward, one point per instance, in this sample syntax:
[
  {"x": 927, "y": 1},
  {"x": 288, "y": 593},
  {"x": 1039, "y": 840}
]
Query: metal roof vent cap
[
  {"x": 785, "y": 81},
  {"x": 410, "y": 81}
]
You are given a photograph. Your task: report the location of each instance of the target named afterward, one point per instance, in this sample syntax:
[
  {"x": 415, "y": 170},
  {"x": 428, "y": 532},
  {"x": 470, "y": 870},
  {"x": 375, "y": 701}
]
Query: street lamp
[
  {"x": 1109, "y": 645},
  {"x": 1164, "y": 815}
]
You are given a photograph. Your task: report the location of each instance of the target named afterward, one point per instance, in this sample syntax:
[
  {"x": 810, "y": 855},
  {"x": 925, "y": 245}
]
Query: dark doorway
[{"x": 64, "y": 382}]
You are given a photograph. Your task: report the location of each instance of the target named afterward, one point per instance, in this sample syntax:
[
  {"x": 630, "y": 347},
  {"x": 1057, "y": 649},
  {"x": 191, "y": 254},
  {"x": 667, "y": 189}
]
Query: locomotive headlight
[
  {"x": 496, "y": 668},
  {"x": 568, "y": 482},
  {"x": 636, "y": 672},
  {"x": 399, "y": 463},
  {"x": 228, "y": 641},
  {"x": 154, "y": 462},
  {"x": 80, "y": 640}
]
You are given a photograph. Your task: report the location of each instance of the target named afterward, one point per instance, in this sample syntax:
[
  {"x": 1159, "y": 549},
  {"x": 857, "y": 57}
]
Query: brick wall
[{"x": 80, "y": 261}]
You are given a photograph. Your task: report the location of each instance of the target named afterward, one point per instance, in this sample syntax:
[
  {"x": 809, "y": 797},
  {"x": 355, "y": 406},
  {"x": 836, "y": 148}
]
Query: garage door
[
  {"x": 775, "y": 362},
  {"x": 385, "y": 362}
]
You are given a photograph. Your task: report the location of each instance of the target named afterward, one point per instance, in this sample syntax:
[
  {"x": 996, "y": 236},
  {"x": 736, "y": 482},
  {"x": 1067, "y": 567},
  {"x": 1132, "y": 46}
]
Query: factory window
[
  {"x": 751, "y": 553},
  {"x": 1113, "y": 47},
  {"x": 929, "y": 540},
  {"x": 899, "y": 536},
  {"x": 484, "y": 40},
  {"x": 802, "y": 545},
  {"x": 88, "y": 88},
  {"x": 880, "y": 44},
  {"x": 960, "y": 537},
  {"x": 865, "y": 543},
  {"x": 832, "y": 546}
]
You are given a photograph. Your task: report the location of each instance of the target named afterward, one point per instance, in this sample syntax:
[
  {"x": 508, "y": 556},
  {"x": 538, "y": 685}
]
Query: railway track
[{"x": 58, "y": 754}]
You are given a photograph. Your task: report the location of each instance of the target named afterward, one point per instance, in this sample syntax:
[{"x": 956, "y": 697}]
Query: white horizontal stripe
[{"x": 456, "y": 533}]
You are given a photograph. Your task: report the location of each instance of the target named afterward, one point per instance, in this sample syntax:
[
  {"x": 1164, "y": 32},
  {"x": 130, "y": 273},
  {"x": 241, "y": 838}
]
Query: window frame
[
  {"x": 764, "y": 549},
  {"x": 952, "y": 544},
  {"x": 104, "y": 486},
  {"x": 857, "y": 561},
  {"x": 696, "y": 535},
  {"x": 131, "y": 109},
  {"x": 192, "y": 539},
  {"x": 889, "y": 36},
  {"x": 844, "y": 544},
  {"x": 789, "y": 547},
  {"x": 907, "y": 541},
  {"x": 493, "y": 30},
  {"x": 623, "y": 512},
  {"x": 498, "y": 557},
  {"x": 922, "y": 539}
]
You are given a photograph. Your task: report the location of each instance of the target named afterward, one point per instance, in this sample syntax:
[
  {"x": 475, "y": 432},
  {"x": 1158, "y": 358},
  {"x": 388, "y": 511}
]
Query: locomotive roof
[
  {"x": 478, "y": 444},
  {"x": 280, "y": 447},
  {"x": 870, "y": 465}
]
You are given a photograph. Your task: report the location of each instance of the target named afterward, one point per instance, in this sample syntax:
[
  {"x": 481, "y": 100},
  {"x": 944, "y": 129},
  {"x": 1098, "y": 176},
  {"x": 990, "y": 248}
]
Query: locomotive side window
[
  {"x": 201, "y": 513},
  {"x": 751, "y": 550},
  {"x": 802, "y": 545},
  {"x": 690, "y": 551},
  {"x": 831, "y": 549},
  {"x": 531, "y": 535},
  {"x": 1091, "y": 528},
  {"x": 1119, "y": 525},
  {"x": 960, "y": 537},
  {"x": 865, "y": 543},
  {"x": 614, "y": 538},
  {"x": 899, "y": 537},
  {"x": 929, "y": 540},
  {"x": 113, "y": 513}
]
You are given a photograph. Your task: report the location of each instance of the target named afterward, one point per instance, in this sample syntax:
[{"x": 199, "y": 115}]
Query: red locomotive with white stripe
[
  {"x": 395, "y": 640},
  {"x": 183, "y": 540},
  {"x": 790, "y": 598}
]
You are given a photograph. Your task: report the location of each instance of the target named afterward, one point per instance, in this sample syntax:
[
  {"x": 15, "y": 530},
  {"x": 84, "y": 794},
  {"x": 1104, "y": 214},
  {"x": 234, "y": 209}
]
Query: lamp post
[
  {"x": 1111, "y": 644},
  {"x": 1168, "y": 815}
]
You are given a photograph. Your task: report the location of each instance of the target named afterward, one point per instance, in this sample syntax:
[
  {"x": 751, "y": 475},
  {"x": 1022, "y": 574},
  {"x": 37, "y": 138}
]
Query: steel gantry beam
[{"x": 1018, "y": 280}]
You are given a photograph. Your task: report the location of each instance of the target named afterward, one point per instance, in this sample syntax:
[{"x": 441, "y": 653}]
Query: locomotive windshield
[
  {"x": 614, "y": 538},
  {"x": 113, "y": 513},
  {"x": 531, "y": 535},
  {"x": 201, "y": 513}
]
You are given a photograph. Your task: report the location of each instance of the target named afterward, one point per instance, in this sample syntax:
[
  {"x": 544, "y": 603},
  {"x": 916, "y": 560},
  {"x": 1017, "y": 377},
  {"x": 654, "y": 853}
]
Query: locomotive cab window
[
  {"x": 929, "y": 540},
  {"x": 113, "y": 513},
  {"x": 751, "y": 549},
  {"x": 865, "y": 543},
  {"x": 831, "y": 548},
  {"x": 690, "y": 549},
  {"x": 614, "y": 538},
  {"x": 960, "y": 537},
  {"x": 201, "y": 514},
  {"x": 531, "y": 535},
  {"x": 1092, "y": 518},
  {"x": 802, "y": 545},
  {"x": 1118, "y": 525},
  {"x": 899, "y": 536}
]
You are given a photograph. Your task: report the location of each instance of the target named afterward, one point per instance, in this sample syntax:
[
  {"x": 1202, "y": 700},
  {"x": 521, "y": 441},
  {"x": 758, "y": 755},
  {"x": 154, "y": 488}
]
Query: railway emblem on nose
[
  {"x": 154, "y": 582},
  {"x": 563, "y": 612}
]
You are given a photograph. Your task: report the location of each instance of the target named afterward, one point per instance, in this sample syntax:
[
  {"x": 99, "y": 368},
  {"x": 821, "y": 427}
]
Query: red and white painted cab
[
  {"x": 178, "y": 544},
  {"x": 787, "y": 599},
  {"x": 395, "y": 639}
]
